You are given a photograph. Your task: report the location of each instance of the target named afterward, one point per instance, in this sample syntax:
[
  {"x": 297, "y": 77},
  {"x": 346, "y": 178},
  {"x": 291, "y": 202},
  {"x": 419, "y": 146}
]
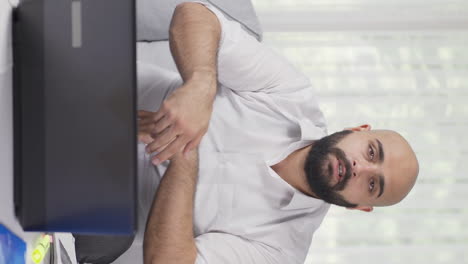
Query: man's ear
[
  {"x": 365, "y": 127},
  {"x": 362, "y": 208}
]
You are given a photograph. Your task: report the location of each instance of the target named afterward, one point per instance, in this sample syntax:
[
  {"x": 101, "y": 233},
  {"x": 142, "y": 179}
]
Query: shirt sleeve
[
  {"x": 225, "y": 248},
  {"x": 245, "y": 64}
]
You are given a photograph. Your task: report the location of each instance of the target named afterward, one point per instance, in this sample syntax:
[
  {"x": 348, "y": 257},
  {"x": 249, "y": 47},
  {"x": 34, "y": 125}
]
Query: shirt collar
[
  {"x": 302, "y": 201},
  {"x": 298, "y": 199},
  {"x": 310, "y": 131}
]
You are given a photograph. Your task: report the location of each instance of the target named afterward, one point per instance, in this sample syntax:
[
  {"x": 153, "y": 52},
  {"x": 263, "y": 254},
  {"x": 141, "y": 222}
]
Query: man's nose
[{"x": 362, "y": 167}]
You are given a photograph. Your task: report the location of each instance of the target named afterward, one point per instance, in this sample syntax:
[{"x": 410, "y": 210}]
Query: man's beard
[{"x": 319, "y": 174}]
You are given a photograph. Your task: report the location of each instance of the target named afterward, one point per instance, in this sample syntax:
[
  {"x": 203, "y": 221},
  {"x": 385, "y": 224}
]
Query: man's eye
[
  {"x": 371, "y": 185},
  {"x": 371, "y": 153}
]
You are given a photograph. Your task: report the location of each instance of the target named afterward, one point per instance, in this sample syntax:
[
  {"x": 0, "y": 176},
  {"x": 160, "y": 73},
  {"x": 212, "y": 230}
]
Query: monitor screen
[{"x": 75, "y": 116}]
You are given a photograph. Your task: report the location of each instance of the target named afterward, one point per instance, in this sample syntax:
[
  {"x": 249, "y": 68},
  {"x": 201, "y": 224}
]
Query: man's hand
[
  {"x": 182, "y": 119},
  {"x": 186, "y": 163}
]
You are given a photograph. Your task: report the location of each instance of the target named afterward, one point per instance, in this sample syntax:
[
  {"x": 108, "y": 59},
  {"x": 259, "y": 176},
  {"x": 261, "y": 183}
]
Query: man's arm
[
  {"x": 194, "y": 38},
  {"x": 183, "y": 118},
  {"x": 169, "y": 229}
]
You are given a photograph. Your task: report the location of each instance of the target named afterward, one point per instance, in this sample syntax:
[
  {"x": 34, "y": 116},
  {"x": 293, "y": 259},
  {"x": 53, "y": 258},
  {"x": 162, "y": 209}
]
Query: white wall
[{"x": 399, "y": 65}]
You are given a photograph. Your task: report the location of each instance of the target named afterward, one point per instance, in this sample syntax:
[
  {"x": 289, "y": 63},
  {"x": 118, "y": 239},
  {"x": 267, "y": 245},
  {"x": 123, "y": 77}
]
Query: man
[{"x": 251, "y": 172}]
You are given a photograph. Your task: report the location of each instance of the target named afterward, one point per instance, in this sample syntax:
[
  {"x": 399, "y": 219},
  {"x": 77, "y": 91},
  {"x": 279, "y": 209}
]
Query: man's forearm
[
  {"x": 195, "y": 33},
  {"x": 169, "y": 229}
]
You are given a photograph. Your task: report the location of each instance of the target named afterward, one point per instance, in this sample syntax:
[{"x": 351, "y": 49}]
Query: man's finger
[
  {"x": 145, "y": 138},
  {"x": 143, "y": 113},
  {"x": 161, "y": 139},
  {"x": 163, "y": 147},
  {"x": 159, "y": 114},
  {"x": 192, "y": 145},
  {"x": 146, "y": 128},
  {"x": 169, "y": 151},
  {"x": 145, "y": 121},
  {"x": 162, "y": 124}
]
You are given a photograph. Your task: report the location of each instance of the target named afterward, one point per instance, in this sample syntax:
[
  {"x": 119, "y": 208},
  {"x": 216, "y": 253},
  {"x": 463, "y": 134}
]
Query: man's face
[
  {"x": 324, "y": 178},
  {"x": 362, "y": 168}
]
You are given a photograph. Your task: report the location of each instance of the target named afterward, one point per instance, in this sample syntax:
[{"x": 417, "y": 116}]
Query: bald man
[
  {"x": 252, "y": 171},
  {"x": 355, "y": 168}
]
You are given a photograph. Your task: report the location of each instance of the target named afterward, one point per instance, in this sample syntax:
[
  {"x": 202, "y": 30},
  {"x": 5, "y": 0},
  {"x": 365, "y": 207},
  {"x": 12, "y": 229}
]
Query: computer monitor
[{"x": 75, "y": 116}]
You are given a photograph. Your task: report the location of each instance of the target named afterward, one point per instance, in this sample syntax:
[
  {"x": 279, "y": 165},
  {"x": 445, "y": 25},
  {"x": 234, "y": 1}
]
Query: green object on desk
[{"x": 41, "y": 249}]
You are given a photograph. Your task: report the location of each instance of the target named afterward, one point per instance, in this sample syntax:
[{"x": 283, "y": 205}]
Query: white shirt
[{"x": 263, "y": 111}]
